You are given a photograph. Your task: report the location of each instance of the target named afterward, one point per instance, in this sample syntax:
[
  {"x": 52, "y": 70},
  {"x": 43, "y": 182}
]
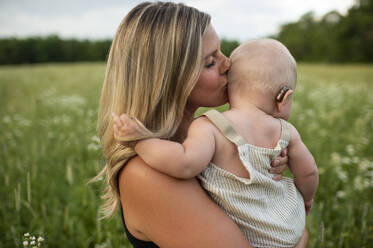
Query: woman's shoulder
[
  {"x": 134, "y": 168},
  {"x": 137, "y": 181},
  {"x": 135, "y": 174}
]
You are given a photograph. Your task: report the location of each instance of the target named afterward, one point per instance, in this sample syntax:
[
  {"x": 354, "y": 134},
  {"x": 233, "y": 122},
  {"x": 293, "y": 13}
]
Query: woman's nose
[{"x": 225, "y": 64}]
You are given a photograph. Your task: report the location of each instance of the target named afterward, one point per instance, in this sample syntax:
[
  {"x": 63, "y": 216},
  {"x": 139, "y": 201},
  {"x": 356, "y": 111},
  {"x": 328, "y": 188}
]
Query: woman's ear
[{"x": 282, "y": 100}]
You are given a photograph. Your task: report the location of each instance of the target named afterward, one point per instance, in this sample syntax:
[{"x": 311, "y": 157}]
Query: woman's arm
[
  {"x": 172, "y": 212},
  {"x": 302, "y": 243}
]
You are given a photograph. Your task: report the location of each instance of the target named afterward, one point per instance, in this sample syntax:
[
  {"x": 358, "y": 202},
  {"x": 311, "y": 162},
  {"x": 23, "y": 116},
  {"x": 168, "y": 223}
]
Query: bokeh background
[{"x": 52, "y": 65}]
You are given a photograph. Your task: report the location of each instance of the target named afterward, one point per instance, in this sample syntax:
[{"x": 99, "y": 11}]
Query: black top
[{"x": 137, "y": 243}]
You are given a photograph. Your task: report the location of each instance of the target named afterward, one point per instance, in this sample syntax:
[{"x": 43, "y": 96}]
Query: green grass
[{"x": 49, "y": 150}]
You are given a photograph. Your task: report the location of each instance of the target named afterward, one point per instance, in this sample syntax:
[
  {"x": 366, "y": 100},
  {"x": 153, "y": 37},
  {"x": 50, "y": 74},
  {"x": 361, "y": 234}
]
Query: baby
[{"x": 231, "y": 152}]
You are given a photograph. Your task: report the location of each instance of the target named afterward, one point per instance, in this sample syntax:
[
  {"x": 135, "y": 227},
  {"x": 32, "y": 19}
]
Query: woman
[{"x": 164, "y": 63}]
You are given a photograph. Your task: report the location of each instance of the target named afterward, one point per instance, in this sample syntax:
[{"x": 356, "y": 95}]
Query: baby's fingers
[
  {"x": 116, "y": 130},
  {"x": 124, "y": 119},
  {"x": 116, "y": 120}
]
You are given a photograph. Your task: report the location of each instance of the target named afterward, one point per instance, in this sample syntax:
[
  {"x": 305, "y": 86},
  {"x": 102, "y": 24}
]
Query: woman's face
[{"x": 211, "y": 87}]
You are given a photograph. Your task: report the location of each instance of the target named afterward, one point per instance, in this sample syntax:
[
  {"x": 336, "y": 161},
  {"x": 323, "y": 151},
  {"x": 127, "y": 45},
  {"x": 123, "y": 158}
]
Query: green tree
[{"x": 227, "y": 46}]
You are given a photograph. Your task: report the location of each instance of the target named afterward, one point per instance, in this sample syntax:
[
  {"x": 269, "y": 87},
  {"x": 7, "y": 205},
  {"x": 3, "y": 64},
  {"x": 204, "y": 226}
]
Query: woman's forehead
[{"x": 210, "y": 41}]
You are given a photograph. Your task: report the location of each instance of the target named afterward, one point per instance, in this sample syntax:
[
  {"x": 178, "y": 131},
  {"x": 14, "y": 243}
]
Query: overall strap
[
  {"x": 222, "y": 123},
  {"x": 285, "y": 130}
]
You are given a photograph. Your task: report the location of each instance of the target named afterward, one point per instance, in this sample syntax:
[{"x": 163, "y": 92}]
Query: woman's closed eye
[{"x": 211, "y": 64}]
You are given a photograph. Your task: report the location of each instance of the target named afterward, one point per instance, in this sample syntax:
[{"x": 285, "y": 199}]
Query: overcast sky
[{"x": 97, "y": 19}]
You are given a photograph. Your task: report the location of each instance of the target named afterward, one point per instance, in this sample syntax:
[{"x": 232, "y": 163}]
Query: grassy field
[{"x": 49, "y": 150}]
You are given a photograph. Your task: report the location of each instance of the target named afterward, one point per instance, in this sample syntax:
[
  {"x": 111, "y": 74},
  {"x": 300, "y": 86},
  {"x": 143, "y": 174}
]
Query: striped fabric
[{"x": 270, "y": 213}]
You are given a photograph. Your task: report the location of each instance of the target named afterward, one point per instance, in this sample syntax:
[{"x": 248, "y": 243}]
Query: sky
[{"x": 98, "y": 19}]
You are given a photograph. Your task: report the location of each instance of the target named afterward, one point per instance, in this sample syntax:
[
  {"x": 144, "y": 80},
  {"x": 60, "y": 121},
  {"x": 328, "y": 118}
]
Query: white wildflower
[
  {"x": 25, "y": 243},
  {"x": 336, "y": 158},
  {"x": 18, "y": 133},
  {"x": 96, "y": 139},
  {"x": 368, "y": 183},
  {"x": 364, "y": 140},
  {"x": 68, "y": 101},
  {"x": 25, "y": 122},
  {"x": 355, "y": 160},
  {"x": 342, "y": 175},
  {"x": 6, "y": 119},
  {"x": 346, "y": 160},
  {"x": 341, "y": 194},
  {"x": 350, "y": 149},
  {"x": 48, "y": 93},
  {"x": 40, "y": 239},
  {"x": 358, "y": 183},
  {"x": 33, "y": 242},
  {"x": 93, "y": 147},
  {"x": 26, "y": 234},
  {"x": 62, "y": 120},
  {"x": 364, "y": 165},
  {"x": 33, "y": 238}
]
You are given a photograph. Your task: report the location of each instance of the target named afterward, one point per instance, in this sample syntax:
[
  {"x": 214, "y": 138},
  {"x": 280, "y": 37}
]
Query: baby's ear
[{"x": 282, "y": 97}]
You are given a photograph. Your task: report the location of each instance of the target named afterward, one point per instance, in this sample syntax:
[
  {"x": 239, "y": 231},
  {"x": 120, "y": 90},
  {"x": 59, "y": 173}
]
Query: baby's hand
[
  {"x": 128, "y": 131},
  {"x": 308, "y": 206}
]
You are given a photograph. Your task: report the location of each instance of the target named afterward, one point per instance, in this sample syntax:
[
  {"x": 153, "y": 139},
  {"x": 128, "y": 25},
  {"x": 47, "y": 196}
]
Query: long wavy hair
[{"x": 154, "y": 62}]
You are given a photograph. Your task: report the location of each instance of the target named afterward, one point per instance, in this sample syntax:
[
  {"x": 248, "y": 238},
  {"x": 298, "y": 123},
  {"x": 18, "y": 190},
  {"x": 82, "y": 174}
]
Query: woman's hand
[
  {"x": 302, "y": 243},
  {"x": 279, "y": 165},
  {"x": 128, "y": 131}
]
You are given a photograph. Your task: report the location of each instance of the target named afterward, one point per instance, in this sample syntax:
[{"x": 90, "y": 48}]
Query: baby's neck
[
  {"x": 249, "y": 108},
  {"x": 255, "y": 122},
  {"x": 255, "y": 103}
]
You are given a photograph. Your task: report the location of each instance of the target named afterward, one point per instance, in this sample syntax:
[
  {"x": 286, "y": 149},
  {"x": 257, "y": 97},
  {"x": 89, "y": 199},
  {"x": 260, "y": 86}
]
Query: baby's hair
[{"x": 263, "y": 64}]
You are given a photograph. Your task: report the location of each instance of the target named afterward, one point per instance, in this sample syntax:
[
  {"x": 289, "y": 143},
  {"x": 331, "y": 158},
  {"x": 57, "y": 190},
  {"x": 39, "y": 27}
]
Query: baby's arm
[
  {"x": 303, "y": 167},
  {"x": 178, "y": 160}
]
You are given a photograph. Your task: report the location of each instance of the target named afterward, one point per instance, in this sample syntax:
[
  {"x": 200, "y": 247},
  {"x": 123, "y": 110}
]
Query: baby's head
[{"x": 264, "y": 67}]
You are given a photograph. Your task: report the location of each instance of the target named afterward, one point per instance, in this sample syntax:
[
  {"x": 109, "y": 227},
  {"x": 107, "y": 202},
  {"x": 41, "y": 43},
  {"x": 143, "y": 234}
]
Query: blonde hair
[
  {"x": 263, "y": 64},
  {"x": 154, "y": 62}
]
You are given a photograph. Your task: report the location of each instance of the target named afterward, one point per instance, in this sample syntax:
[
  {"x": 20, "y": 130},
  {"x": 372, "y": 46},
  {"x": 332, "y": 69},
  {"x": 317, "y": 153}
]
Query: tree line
[
  {"x": 331, "y": 38},
  {"x": 51, "y": 49}
]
